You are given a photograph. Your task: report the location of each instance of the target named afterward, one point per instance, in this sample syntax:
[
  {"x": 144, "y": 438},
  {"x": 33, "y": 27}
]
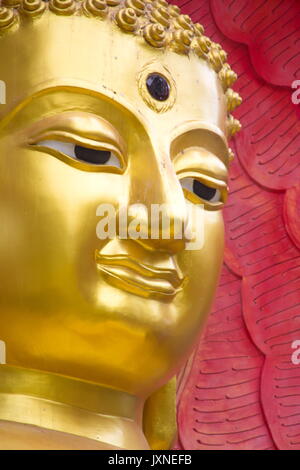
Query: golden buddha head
[{"x": 118, "y": 102}]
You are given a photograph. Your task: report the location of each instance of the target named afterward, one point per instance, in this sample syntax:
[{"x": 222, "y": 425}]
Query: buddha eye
[
  {"x": 80, "y": 153},
  {"x": 96, "y": 157},
  {"x": 203, "y": 191}
]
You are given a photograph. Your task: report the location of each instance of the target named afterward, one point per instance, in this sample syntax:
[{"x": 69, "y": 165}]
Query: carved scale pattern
[{"x": 243, "y": 391}]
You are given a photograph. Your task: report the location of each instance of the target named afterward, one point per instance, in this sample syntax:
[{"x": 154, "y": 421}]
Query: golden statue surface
[{"x": 123, "y": 103}]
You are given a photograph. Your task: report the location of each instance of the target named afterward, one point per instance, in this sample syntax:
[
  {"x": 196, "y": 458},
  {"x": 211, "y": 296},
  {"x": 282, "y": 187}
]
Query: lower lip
[{"x": 129, "y": 281}]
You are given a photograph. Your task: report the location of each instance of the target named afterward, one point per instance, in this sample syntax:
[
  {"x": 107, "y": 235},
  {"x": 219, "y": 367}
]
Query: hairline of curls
[{"x": 159, "y": 23}]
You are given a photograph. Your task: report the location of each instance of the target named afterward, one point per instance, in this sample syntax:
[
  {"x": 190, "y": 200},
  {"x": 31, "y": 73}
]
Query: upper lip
[{"x": 147, "y": 275}]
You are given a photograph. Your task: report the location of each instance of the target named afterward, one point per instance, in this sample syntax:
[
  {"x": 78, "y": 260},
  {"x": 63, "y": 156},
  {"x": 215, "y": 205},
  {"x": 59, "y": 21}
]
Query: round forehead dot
[{"x": 158, "y": 87}]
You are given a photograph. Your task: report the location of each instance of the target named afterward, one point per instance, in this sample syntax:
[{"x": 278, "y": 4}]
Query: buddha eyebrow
[
  {"x": 53, "y": 92},
  {"x": 202, "y": 137},
  {"x": 47, "y": 103},
  {"x": 118, "y": 103},
  {"x": 87, "y": 125}
]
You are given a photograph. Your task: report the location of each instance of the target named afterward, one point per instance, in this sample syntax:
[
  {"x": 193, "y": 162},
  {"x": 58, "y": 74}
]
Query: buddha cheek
[
  {"x": 48, "y": 211},
  {"x": 202, "y": 268}
]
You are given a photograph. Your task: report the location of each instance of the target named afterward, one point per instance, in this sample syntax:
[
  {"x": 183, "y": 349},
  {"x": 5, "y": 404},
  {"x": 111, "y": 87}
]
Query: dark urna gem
[{"x": 158, "y": 87}]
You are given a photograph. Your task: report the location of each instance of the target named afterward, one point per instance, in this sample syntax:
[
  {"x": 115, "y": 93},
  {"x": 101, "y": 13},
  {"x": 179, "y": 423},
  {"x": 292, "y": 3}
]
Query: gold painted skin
[{"x": 76, "y": 80}]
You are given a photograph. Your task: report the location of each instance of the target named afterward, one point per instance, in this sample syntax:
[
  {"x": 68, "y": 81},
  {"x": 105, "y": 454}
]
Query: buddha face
[{"x": 84, "y": 125}]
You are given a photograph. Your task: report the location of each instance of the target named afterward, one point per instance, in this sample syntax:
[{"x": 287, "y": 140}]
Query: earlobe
[{"x": 159, "y": 419}]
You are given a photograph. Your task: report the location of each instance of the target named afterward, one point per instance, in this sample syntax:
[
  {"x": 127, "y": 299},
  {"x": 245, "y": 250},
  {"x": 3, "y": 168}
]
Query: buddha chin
[{"x": 98, "y": 116}]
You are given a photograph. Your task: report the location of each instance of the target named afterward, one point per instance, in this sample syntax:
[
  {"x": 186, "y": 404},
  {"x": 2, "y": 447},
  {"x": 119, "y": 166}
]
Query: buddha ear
[
  {"x": 160, "y": 411},
  {"x": 159, "y": 419}
]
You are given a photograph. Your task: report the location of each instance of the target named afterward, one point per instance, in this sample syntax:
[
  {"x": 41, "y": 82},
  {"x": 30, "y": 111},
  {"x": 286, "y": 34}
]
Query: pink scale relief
[{"x": 243, "y": 390}]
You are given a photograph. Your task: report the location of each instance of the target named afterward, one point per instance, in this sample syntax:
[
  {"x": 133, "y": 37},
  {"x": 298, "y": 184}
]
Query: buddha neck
[{"x": 71, "y": 406}]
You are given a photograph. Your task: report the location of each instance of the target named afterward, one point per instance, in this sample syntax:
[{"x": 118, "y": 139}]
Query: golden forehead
[{"x": 160, "y": 24}]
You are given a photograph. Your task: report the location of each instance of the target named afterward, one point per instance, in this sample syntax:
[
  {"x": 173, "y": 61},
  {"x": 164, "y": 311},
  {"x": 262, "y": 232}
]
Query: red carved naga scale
[{"x": 242, "y": 390}]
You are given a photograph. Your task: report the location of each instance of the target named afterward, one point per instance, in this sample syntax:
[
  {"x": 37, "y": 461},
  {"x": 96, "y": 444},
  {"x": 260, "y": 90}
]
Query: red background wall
[{"x": 243, "y": 390}]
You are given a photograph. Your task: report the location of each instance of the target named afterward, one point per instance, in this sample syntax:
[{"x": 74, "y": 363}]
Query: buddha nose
[{"x": 157, "y": 204}]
